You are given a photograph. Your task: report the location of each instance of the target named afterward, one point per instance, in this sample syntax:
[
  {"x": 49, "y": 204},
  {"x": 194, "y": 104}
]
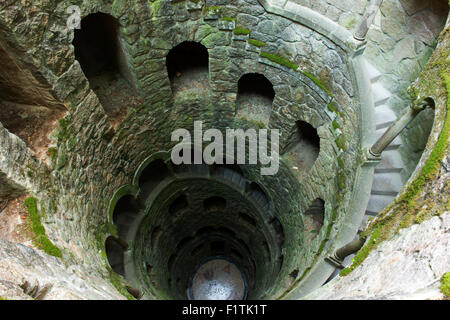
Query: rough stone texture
[
  {"x": 29, "y": 274},
  {"x": 400, "y": 42},
  {"x": 409, "y": 266},
  {"x": 93, "y": 159},
  {"x": 347, "y": 13}
]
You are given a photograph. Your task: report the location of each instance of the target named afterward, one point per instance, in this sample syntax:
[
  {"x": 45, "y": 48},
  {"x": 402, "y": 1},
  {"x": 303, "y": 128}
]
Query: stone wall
[{"x": 93, "y": 155}]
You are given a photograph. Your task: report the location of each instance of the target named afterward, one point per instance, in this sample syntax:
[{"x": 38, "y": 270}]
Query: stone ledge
[{"x": 319, "y": 23}]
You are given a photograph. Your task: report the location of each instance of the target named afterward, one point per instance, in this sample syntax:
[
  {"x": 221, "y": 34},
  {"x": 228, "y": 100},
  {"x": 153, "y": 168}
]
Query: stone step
[
  {"x": 390, "y": 159},
  {"x": 373, "y": 73},
  {"x": 380, "y": 94},
  {"x": 384, "y": 115},
  {"x": 377, "y": 203},
  {"x": 386, "y": 183}
]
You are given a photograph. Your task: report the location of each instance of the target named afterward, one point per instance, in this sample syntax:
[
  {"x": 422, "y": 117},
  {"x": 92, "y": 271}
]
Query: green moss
[
  {"x": 445, "y": 285},
  {"x": 341, "y": 142},
  {"x": 228, "y": 19},
  {"x": 53, "y": 153},
  {"x": 332, "y": 106},
  {"x": 256, "y": 43},
  {"x": 107, "y": 228},
  {"x": 40, "y": 239},
  {"x": 334, "y": 215},
  {"x": 240, "y": 31},
  {"x": 362, "y": 254},
  {"x": 336, "y": 125},
  {"x": 318, "y": 82},
  {"x": 280, "y": 60},
  {"x": 340, "y": 163},
  {"x": 340, "y": 180},
  {"x": 213, "y": 9},
  {"x": 117, "y": 282}
]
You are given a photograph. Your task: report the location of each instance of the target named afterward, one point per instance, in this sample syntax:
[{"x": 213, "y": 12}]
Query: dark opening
[
  {"x": 227, "y": 232},
  {"x": 183, "y": 243},
  {"x": 219, "y": 169},
  {"x": 215, "y": 204},
  {"x": 136, "y": 293},
  {"x": 124, "y": 214},
  {"x": 304, "y": 146},
  {"x": 197, "y": 250},
  {"x": 255, "y": 97},
  {"x": 259, "y": 195},
  {"x": 237, "y": 254},
  {"x": 114, "y": 252},
  {"x": 203, "y": 232},
  {"x": 151, "y": 176},
  {"x": 99, "y": 52},
  {"x": 156, "y": 233},
  {"x": 217, "y": 247},
  {"x": 178, "y": 204},
  {"x": 96, "y": 44},
  {"x": 257, "y": 84},
  {"x": 247, "y": 219},
  {"x": 313, "y": 218},
  {"x": 188, "y": 56},
  {"x": 294, "y": 274},
  {"x": 171, "y": 261}
]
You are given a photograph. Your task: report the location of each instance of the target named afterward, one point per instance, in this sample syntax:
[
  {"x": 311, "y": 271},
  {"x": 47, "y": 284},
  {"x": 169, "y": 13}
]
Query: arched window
[
  {"x": 99, "y": 51},
  {"x": 187, "y": 66},
  {"x": 151, "y": 176},
  {"x": 313, "y": 218},
  {"x": 125, "y": 212},
  {"x": 178, "y": 204},
  {"x": 304, "y": 145},
  {"x": 215, "y": 204},
  {"x": 114, "y": 252},
  {"x": 255, "y": 97}
]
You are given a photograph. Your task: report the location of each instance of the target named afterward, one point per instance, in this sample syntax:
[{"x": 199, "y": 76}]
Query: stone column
[
  {"x": 367, "y": 19},
  {"x": 394, "y": 130}
]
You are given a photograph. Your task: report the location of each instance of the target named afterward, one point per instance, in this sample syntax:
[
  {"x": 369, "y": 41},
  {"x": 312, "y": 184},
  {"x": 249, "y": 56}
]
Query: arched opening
[
  {"x": 215, "y": 204},
  {"x": 187, "y": 66},
  {"x": 124, "y": 214},
  {"x": 114, "y": 252},
  {"x": 100, "y": 53},
  {"x": 259, "y": 195},
  {"x": 217, "y": 248},
  {"x": 255, "y": 97},
  {"x": 247, "y": 219},
  {"x": 303, "y": 146},
  {"x": 151, "y": 176},
  {"x": 313, "y": 219},
  {"x": 178, "y": 205}
]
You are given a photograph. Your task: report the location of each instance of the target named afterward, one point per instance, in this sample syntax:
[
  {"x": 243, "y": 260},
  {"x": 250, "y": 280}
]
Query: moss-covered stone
[
  {"x": 240, "y": 31},
  {"x": 256, "y": 43},
  {"x": 445, "y": 285},
  {"x": 40, "y": 239},
  {"x": 280, "y": 60}
]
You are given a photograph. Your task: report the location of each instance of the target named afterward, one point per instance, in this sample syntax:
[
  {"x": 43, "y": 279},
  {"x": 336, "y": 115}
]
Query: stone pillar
[
  {"x": 367, "y": 19},
  {"x": 394, "y": 130}
]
